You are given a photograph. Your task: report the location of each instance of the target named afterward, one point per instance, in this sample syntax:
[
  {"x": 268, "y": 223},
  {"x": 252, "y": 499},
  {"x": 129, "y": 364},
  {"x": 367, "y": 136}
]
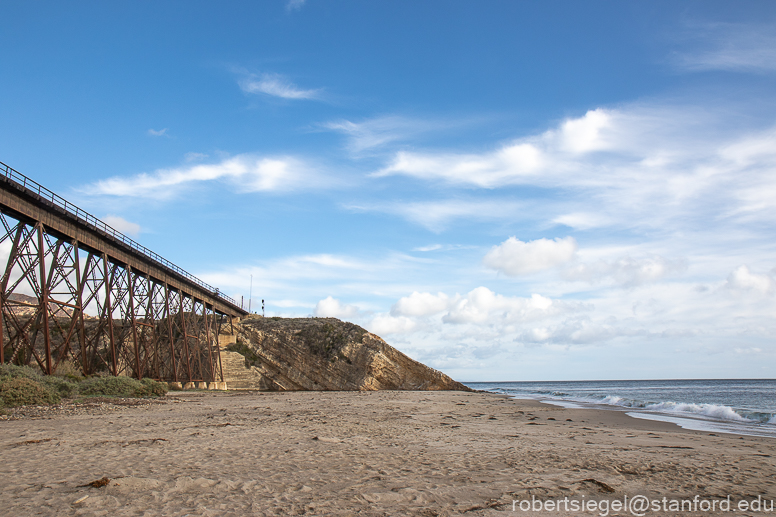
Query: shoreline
[
  {"x": 365, "y": 453},
  {"x": 744, "y": 406},
  {"x": 691, "y": 423}
]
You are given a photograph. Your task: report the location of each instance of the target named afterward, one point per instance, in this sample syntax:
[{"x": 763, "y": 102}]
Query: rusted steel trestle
[{"x": 75, "y": 291}]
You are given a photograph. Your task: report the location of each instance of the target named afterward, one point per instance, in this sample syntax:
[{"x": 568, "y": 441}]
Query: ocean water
[{"x": 746, "y": 406}]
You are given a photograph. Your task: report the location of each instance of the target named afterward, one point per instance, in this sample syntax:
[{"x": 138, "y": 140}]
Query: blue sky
[{"x": 502, "y": 190}]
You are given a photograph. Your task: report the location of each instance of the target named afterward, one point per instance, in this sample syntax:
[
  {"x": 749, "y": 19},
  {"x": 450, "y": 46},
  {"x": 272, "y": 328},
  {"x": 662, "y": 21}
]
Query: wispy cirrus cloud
[
  {"x": 377, "y": 133},
  {"x": 277, "y": 85},
  {"x": 158, "y": 132},
  {"x": 639, "y": 165},
  {"x": 626, "y": 271},
  {"x": 294, "y": 5},
  {"x": 526, "y": 161},
  {"x": 729, "y": 47},
  {"x": 122, "y": 225},
  {"x": 437, "y": 215},
  {"x": 246, "y": 173}
]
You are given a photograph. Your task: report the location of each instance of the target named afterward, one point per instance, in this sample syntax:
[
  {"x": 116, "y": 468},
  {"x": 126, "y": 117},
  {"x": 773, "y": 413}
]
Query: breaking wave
[
  {"x": 697, "y": 410},
  {"x": 713, "y": 411}
]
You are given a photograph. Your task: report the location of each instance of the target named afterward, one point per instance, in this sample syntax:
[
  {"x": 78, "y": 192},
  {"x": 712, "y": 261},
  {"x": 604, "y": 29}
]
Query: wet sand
[{"x": 362, "y": 453}]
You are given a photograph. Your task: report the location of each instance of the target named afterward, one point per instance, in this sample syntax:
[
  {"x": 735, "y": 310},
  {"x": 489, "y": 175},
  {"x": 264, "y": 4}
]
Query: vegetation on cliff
[{"x": 328, "y": 354}]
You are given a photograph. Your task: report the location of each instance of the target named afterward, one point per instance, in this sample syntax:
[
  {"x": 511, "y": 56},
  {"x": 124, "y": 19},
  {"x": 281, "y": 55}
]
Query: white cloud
[
  {"x": 641, "y": 166},
  {"x": 294, "y": 5},
  {"x": 306, "y": 279},
  {"x": 731, "y": 47},
  {"x": 387, "y": 324},
  {"x": 573, "y": 332},
  {"x": 742, "y": 279},
  {"x": 276, "y": 85},
  {"x": 751, "y": 149},
  {"x": 430, "y": 247},
  {"x": 748, "y": 350},
  {"x": 582, "y": 220},
  {"x": 514, "y": 257},
  {"x": 381, "y": 131},
  {"x": 626, "y": 271},
  {"x": 482, "y": 305},
  {"x": 517, "y": 163},
  {"x": 195, "y": 157},
  {"x": 333, "y": 308},
  {"x": 585, "y": 134},
  {"x": 480, "y": 313},
  {"x": 247, "y": 173},
  {"x": 508, "y": 165},
  {"x": 122, "y": 225},
  {"x": 158, "y": 132},
  {"x": 438, "y": 215},
  {"x": 421, "y": 304}
]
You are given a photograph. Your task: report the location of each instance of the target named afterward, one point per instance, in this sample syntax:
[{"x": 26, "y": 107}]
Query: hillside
[{"x": 280, "y": 354}]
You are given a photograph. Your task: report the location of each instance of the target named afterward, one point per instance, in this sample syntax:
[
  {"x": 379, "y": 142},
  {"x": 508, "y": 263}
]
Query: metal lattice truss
[{"x": 63, "y": 302}]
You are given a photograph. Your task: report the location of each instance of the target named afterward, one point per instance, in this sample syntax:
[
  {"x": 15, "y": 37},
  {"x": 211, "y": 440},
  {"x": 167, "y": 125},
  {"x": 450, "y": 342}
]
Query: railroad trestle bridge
[{"x": 77, "y": 292}]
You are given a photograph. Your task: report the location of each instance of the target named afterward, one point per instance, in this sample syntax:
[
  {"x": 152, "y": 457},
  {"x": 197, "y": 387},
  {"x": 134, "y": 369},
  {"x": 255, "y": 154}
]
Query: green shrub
[
  {"x": 22, "y": 386},
  {"x": 65, "y": 387},
  {"x": 23, "y": 391},
  {"x": 157, "y": 389},
  {"x": 326, "y": 340},
  {"x": 121, "y": 387},
  {"x": 11, "y": 370}
]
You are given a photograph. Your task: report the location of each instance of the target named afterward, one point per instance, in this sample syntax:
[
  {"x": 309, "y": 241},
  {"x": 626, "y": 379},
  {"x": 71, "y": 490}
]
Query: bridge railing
[{"x": 85, "y": 217}]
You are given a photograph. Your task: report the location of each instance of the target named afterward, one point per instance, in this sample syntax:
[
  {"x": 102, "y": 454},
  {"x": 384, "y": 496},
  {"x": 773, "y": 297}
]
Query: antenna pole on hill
[{"x": 262, "y": 307}]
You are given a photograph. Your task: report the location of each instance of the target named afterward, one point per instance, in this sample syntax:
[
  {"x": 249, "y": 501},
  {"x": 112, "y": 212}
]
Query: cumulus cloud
[
  {"x": 247, "y": 173},
  {"x": 481, "y": 310},
  {"x": 420, "y": 304},
  {"x": 332, "y": 308},
  {"x": 585, "y": 134},
  {"x": 742, "y": 279},
  {"x": 626, "y": 271},
  {"x": 514, "y": 257},
  {"x": 276, "y": 85},
  {"x": 122, "y": 225},
  {"x": 386, "y": 324},
  {"x": 482, "y": 305}
]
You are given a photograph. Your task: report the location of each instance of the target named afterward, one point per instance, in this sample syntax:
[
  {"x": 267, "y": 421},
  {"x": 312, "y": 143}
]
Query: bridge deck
[
  {"x": 147, "y": 317},
  {"x": 25, "y": 199}
]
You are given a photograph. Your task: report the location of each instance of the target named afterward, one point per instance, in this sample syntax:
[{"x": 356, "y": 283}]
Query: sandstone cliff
[{"x": 281, "y": 354}]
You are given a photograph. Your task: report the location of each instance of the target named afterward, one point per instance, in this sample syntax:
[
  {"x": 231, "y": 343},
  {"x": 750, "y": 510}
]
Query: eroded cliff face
[{"x": 324, "y": 354}]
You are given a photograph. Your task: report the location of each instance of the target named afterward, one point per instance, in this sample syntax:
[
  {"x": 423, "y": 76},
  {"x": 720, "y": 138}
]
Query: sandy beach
[{"x": 361, "y": 453}]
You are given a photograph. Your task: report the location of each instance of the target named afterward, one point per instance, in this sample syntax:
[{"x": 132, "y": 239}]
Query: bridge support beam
[{"x": 63, "y": 303}]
